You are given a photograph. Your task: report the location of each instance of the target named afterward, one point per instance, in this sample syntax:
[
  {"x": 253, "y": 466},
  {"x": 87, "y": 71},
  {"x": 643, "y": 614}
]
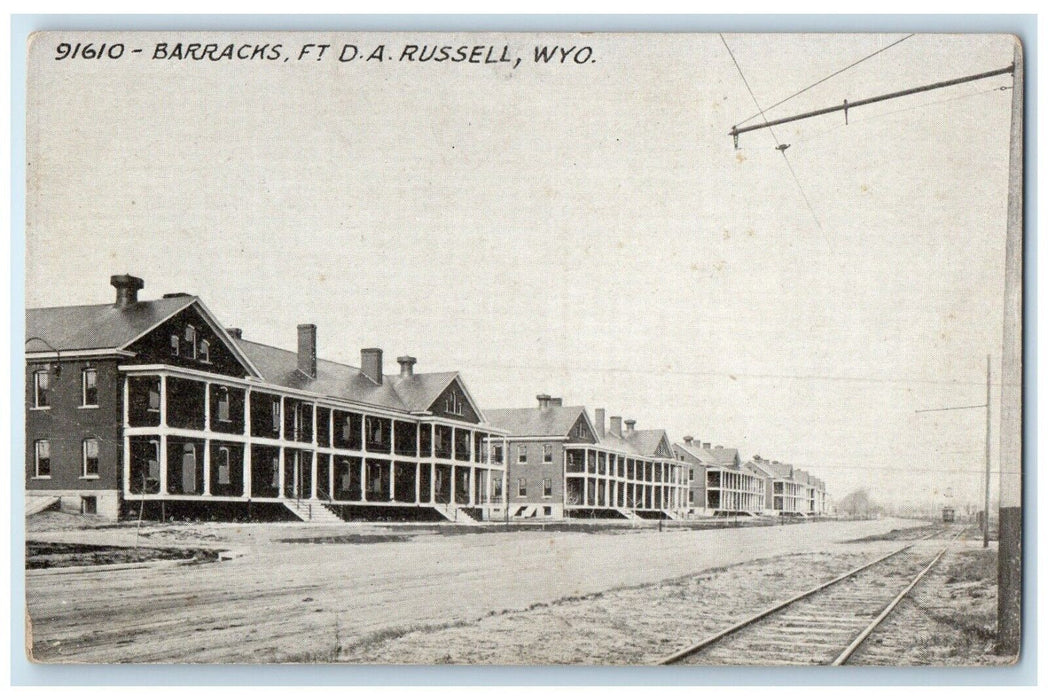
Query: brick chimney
[
  {"x": 688, "y": 439},
  {"x": 307, "y": 349},
  {"x": 705, "y": 445},
  {"x": 556, "y": 401},
  {"x": 629, "y": 426},
  {"x": 127, "y": 288},
  {"x": 616, "y": 426},
  {"x": 236, "y": 333},
  {"x": 544, "y": 400},
  {"x": 598, "y": 421},
  {"x": 407, "y": 366},
  {"x": 371, "y": 364}
]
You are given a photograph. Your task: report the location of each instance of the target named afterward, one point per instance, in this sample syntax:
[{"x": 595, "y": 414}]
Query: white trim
[{"x": 74, "y": 354}]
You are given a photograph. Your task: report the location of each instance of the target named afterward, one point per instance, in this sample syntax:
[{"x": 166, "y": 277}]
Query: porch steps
[
  {"x": 312, "y": 510},
  {"x": 628, "y": 514},
  {"x": 671, "y": 515},
  {"x": 454, "y": 513},
  {"x": 36, "y": 504}
]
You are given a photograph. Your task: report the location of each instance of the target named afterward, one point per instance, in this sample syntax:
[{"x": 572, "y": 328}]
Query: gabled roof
[
  {"x": 112, "y": 327},
  {"x": 711, "y": 456},
  {"x": 419, "y": 391},
  {"x": 340, "y": 381},
  {"x": 333, "y": 379},
  {"x": 552, "y": 421},
  {"x": 98, "y": 326},
  {"x": 759, "y": 468},
  {"x": 778, "y": 469},
  {"x": 646, "y": 442}
]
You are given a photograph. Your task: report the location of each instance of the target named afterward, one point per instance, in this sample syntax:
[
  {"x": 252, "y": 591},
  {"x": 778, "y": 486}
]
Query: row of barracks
[{"x": 139, "y": 406}]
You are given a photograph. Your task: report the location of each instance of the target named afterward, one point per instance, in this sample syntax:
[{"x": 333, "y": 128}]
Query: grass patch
[{"x": 51, "y": 555}]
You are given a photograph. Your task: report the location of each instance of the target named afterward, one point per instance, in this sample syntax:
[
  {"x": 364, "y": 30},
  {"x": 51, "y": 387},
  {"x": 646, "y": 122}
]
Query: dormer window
[
  {"x": 175, "y": 344},
  {"x": 191, "y": 342}
]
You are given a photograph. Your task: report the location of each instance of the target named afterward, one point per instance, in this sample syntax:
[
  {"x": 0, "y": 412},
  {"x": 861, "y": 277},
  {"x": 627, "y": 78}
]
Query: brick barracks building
[
  {"x": 154, "y": 406},
  {"x": 559, "y": 464}
]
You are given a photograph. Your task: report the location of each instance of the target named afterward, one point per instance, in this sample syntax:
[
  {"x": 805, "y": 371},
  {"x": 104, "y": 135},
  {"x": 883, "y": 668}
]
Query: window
[
  {"x": 89, "y": 385},
  {"x": 496, "y": 453},
  {"x": 88, "y": 505},
  {"x": 547, "y": 488},
  {"x": 522, "y": 487},
  {"x": 90, "y": 458},
  {"x": 496, "y": 489},
  {"x": 175, "y": 342},
  {"x": 205, "y": 351},
  {"x": 453, "y": 404},
  {"x": 191, "y": 342},
  {"x": 275, "y": 413},
  {"x": 547, "y": 454},
  {"x": 223, "y": 404},
  {"x": 42, "y": 389},
  {"x": 522, "y": 454},
  {"x": 154, "y": 399},
  {"x": 223, "y": 466},
  {"x": 691, "y": 474},
  {"x": 374, "y": 430},
  {"x": 42, "y": 467}
]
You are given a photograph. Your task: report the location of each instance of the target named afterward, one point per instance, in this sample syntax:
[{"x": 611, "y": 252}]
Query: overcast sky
[{"x": 583, "y": 230}]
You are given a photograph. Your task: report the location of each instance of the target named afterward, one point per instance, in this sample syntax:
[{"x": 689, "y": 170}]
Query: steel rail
[
  {"x": 864, "y": 635},
  {"x": 708, "y": 641}
]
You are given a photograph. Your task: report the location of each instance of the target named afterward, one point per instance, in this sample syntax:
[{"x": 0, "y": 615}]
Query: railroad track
[{"x": 824, "y": 625}]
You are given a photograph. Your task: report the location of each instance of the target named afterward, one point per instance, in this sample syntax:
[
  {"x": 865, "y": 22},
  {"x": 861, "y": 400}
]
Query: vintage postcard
[{"x": 467, "y": 348}]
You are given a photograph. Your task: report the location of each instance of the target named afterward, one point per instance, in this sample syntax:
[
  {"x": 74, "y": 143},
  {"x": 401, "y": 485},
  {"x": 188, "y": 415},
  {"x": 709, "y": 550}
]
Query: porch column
[
  {"x": 393, "y": 461},
  {"x": 585, "y": 477},
  {"x": 280, "y": 466},
  {"x": 432, "y": 482},
  {"x": 418, "y": 464},
  {"x": 207, "y": 443},
  {"x": 126, "y": 456},
  {"x": 454, "y": 472},
  {"x": 316, "y": 444},
  {"x": 363, "y": 475},
  {"x": 472, "y": 483},
  {"x": 163, "y": 436},
  {"x": 247, "y": 444}
]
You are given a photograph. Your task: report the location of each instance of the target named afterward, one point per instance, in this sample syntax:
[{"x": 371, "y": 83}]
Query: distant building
[
  {"x": 720, "y": 485},
  {"x": 562, "y": 464},
  {"x": 136, "y": 404}
]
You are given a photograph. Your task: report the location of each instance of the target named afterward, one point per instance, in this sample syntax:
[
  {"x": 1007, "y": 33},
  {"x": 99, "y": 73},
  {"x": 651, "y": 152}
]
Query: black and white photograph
[{"x": 523, "y": 349}]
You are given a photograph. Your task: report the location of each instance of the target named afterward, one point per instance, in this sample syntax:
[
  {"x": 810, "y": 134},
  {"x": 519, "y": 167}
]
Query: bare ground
[
  {"x": 949, "y": 620},
  {"x": 298, "y": 592}
]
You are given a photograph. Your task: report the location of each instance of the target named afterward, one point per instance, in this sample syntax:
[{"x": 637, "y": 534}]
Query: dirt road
[{"x": 280, "y": 601}]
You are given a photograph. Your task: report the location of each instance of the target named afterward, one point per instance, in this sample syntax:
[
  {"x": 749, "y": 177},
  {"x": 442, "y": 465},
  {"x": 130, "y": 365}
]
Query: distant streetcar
[{"x": 947, "y": 514}]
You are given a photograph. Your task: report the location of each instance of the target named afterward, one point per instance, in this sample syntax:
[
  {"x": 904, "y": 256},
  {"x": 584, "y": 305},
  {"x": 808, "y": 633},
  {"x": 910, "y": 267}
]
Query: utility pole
[
  {"x": 1009, "y": 556},
  {"x": 986, "y": 480},
  {"x": 986, "y": 489},
  {"x": 1009, "y": 518}
]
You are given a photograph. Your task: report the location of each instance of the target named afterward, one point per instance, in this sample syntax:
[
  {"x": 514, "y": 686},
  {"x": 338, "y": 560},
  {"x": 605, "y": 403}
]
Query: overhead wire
[
  {"x": 831, "y": 75},
  {"x": 778, "y": 143}
]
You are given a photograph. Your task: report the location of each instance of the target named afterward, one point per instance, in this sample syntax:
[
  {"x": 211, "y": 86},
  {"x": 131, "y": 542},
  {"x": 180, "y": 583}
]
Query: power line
[
  {"x": 949, "y": 408},
  {"x": 778, "y": 144},
  {"x": 831, "y": 75}
]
